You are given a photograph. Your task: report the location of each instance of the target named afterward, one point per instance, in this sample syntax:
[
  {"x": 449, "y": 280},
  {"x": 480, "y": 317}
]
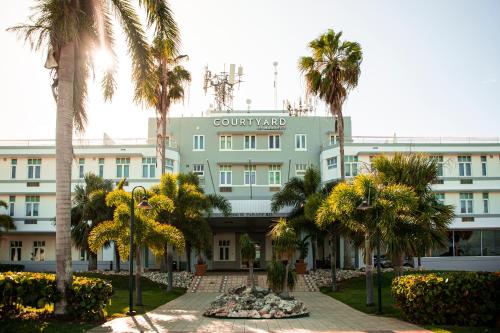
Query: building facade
[{"x": 247, "y": 157}]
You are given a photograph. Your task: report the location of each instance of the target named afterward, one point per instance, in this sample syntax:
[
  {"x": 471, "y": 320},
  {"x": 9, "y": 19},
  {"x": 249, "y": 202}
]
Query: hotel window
[
  {"x": 199, "y": 170},
  {"x": 439, "y": 164},
  {"x": 122, "y": 167},
  {"x": 250, "y": 174},
  {"x": 168, "y": 142},
  {"x": 464, "y": 166},
  {"x": 274, "y": 142},
  {"x": 198, "y": 142},
  {"x": 224, "y": 250},
  {"x": 275, "y": 175},
  {"x": 15, "y": 250},
  {"x": 32, "y": 205},
  {"x": 300, "y": 142},
  {"x": 250, "y": 142},
  {"x": 484, "y": 166},
  {"x": 225, "y": 142},
  {"x": 486, "y": 204},
  {"x": 331, "y": 162},
  {"x": 81, "y": 168},
  {"x": 169, "y": 165},
  {"x": 13, "y": 168},
  {"x": 439, "y": 197},
  {"x": 83, "y": 255},
  {"x": 333, "y": 140},
  {"x": 466, "y": 203},
  {"x": 101, "y": 167},
  {"x": 300, "y": 169},
  {"x": 226, "y": 175},
  {"x": 351, "y": 166},
  {"x": 148, "y": 167},
  {"x": 34, "y": 168},
  {"x": 12, "y": 204},
  {"x": 38, "y": 251}
]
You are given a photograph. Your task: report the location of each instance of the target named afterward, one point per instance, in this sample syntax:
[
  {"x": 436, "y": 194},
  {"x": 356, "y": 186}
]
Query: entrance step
[{"x": 222, "y": 283}]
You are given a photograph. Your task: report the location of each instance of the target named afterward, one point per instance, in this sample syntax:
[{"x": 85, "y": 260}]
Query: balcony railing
[
  {"x": 85, "y": 142},
  {"x": 415, "y": 140}
]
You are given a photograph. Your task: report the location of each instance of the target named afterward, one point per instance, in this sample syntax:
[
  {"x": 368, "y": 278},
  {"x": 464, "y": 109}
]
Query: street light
[
  {"x": 364, "y": 206},
  {"x": 144, "y": 204}
]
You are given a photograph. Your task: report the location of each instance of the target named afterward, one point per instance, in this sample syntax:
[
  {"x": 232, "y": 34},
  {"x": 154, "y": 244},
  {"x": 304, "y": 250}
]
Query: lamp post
[
  {"x": 364, "y": 206},
  {"x": 144, "y": 204}
]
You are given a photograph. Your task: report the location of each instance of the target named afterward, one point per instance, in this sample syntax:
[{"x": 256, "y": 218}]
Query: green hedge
[
  {"x": 86, "y": 297},
  {"x": 458, "y": 298},
  {"x": 11, "y": 268}
]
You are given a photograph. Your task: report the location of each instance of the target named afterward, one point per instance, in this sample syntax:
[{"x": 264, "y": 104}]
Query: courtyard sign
[{"x": 261, "y": 123}]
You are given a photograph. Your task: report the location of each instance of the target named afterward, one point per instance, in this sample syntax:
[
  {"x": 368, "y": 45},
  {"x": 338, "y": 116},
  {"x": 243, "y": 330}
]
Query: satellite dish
[
  {"x": 275, "y": 63},
  {"x": 232, "y": 68},
  {"x": 249, "y": 101}
]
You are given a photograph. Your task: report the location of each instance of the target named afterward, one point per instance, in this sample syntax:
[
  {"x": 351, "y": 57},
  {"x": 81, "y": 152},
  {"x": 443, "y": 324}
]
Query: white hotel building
[{"x": 247, "y": 157}]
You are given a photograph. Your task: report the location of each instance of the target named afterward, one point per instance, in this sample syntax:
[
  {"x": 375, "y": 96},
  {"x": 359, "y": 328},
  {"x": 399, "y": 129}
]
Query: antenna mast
[
  {"x": 223, "y": 85},
  {"x": 275, "y": 64}
]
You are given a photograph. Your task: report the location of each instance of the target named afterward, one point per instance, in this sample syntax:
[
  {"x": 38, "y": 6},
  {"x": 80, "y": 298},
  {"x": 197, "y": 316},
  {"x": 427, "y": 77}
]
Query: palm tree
[
  {"x": 147, "y": 231},
  {"x": 331, "y": 72},
  {"x": 6, "y": 222},
  {"x": 71, "y": 30},
  {"x": 89, "y": 206},
  {"x": 301, "y": 193},
  {"x": 285, "y": 243},
  {"x": 247, "y": 248},
  {"x": 385, "y": 206},
  {"x": 431, "y": 217},
  {"x": 191, "y": 207}
]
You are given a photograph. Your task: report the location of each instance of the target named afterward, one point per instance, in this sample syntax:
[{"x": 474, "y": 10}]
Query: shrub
[
  {"x": 465, "y": 298},
  {"x": 11, "y": 268},
  {"x": 276, "y": 275},
  {"x": 86, "y": 297}
]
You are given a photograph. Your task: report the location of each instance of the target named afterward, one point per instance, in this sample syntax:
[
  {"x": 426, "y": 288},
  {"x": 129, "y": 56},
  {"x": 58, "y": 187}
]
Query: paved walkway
[{"x": 184, "y": 314}]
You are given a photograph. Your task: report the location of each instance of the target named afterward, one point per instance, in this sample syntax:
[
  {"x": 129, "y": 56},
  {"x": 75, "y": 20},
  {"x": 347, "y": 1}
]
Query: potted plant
[
  {"x": 201, "y": 266},
  {"x": 303, "y": 247}
]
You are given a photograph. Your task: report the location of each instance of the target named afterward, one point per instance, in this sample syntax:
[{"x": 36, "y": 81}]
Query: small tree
[
  {"x": 285, "y": 244},
  {"x": 147, "y": 231},
  {"x": 247, "y": 248}
]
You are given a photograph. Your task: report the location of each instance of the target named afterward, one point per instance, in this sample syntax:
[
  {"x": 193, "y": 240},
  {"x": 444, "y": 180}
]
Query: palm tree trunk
[
  {"x": 284, "y": 293},
  {"x": 163, "y": 261},
  {"x": 419, "y": 262},
  {"x": 170, "y": 274},
  {"x": 252, "y": 282},
  {"x": 333, "y": 260},
  {"x": 138, "y": 273},
  {"x": 340, "y": 128},
  {"x": 117, "y": 259},
  {"x": 188, "y": 257},
  {"x": 369, "y": 271},
  {"x": 347, "y": 253},
  {"x": 64, "y": 155},
  {"x": 398, "y": 264},
  {"x": 314, "y": 248}
]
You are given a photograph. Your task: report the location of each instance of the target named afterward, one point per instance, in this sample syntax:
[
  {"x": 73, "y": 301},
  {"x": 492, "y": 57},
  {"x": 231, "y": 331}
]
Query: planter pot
[
  {"x": 200, "y": 269},
  {"x": 300, "y": 267}
]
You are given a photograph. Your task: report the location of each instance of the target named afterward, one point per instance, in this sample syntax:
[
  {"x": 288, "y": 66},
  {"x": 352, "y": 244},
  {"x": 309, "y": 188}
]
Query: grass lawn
[
  {"x": 153, "y": 295},
  {"x": 352, "y": 293}
]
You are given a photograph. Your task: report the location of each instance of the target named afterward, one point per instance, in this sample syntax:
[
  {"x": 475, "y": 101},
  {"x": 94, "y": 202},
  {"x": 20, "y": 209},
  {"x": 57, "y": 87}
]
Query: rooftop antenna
[
  {"x": 223, "y": 85},
  {"x": 275, "y": 64},
  {"x": 249, "y": 101},
  {"x": 301, "y": 109}
]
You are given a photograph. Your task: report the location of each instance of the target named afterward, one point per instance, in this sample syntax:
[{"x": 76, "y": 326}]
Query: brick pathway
[{"x": 184, "y": 314}]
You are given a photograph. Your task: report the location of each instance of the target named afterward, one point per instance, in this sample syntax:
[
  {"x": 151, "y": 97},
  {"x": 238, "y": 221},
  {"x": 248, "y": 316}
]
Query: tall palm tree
[
  {"x": 191, "y": 207},
  {"x": 331, "y": 72},
  {"x": 301, "y": 193},
  {"x": 285, "y": 243},
  {"x": 6, "y": 222},
  {"x": 89, "y": 206},
  {"x": 431, "y": 217},
  {"x": 247, "y": 248},
  {"x": 147, "y": 231},
  {"x": 71, "y": 30},
  {"x": 388, "y": 205}
]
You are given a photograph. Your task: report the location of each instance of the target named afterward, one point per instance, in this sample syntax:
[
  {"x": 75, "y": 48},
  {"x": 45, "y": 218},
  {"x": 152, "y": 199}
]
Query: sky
[{"x": 430, "y": 68}]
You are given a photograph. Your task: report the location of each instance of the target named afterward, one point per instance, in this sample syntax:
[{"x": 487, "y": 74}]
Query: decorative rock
[
  {"x": 242, "y": 302},
  {"x": 323, "y": 277}
]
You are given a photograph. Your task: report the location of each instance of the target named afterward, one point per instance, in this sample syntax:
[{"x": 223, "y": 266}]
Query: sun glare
[{"x": 103, "y": 59}]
